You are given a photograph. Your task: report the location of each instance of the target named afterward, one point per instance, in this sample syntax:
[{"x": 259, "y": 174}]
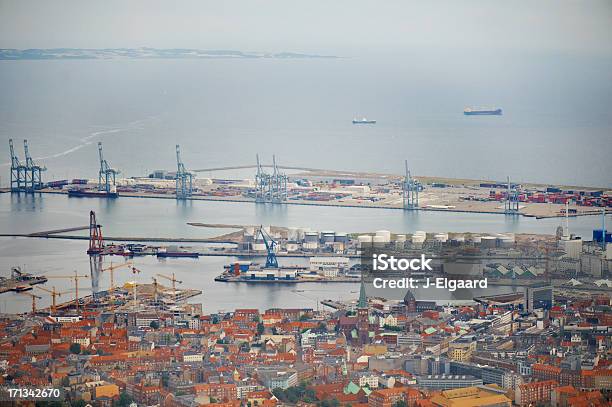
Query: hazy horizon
[{"x": 350, "y": 27}]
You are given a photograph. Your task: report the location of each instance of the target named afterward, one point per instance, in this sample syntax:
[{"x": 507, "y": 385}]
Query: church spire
[{"x": 363, "y": 300}]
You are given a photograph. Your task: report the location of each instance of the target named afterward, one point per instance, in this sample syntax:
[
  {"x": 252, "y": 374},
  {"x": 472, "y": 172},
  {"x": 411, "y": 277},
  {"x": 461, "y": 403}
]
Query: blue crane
[{"x": 271, "y": 261}]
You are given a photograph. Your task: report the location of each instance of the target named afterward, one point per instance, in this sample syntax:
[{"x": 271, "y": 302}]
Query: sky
[{"x": 556, "y": 26}]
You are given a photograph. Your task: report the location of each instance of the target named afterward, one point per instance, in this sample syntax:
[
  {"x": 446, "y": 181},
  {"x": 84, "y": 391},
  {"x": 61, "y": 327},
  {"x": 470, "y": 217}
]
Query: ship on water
[
  {"x": 363, "y": 120},
  {"x": 92, "y": 193},
  {"x": 482, "y": 111}
]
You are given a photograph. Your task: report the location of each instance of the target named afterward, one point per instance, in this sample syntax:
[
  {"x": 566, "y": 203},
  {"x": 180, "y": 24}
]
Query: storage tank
[
  {"x": 300, "y": 234},
  {"x": 310, "y": 245},
  {"x": 292, "y": 246},
  {"x": 292, "y": 234},
  {"x": 364, "y": 240},
  {"x": 341, "y": 238},
  {"x": 417, "y": 241},
  {"x": 327, "y": 238},
  {"x": 379, "y": 241},
  {"x": 441, "y": 237},
  {"x": 384, "y": 234},
  {"x": 310, "y": 237}
]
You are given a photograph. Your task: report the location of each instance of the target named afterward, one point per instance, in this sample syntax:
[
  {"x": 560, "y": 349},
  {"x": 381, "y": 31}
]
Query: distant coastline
[{"x": 144, "y": 53}]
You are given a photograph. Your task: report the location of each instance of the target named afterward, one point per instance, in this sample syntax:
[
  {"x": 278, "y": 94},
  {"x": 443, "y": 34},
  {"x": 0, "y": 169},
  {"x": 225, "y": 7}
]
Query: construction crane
[
  {"x": 75, "y": 277},
  {"x": 173, "y": 280},
  {"x": 184, "y": 179},
  {"x": 106, "y": 175},
  {"x": 34, "y": 298},
  {"x": 54, "y": 294},
  {"x": 32, "y": 172},
  {"x": 17, "y": 170},
  {"x": 111, "y": 269},
  {"x": 271, "y": 260}
]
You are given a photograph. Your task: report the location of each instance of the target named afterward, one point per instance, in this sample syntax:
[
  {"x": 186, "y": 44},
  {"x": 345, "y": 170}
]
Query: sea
[{"x": 556, "y": 128}]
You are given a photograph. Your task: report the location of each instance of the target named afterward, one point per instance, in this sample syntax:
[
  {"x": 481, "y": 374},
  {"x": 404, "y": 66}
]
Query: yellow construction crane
[
  {"x": 75, "y": 277},
  {"x": 34, "y": 298},
  {"x": 54, "y": 294},
  {"x": 112, "y": 269},
  {"x": 174, "y": 281}
]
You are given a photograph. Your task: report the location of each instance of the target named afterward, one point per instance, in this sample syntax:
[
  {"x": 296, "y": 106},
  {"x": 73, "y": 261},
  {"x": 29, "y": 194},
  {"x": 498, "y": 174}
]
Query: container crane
[
  {"x": 18, "y": 170},
  {"x": 32, "y": 172},
  {"x": 184, "y": 179},
  {"x": 75, "y": 277},
  {"x": 54, "y": 294},
  {"x": 173, "y": 280},
  {"x": 271, "y": 260},
  {"x": 106, "y": 175}
]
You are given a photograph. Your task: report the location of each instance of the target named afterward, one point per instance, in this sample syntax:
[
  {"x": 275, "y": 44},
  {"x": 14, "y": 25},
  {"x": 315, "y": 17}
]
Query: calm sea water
[
  {"x": 556, "y": 125},
  {"x": 556, "y": 128}
]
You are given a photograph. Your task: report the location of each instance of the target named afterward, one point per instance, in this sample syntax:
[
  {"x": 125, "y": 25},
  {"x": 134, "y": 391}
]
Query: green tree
[
  {"x": 260, "y": 328},
  {"x": 154, "y": 325},
  {"x": 124, "y": 400},
  {"x": 75, "y": 348}
]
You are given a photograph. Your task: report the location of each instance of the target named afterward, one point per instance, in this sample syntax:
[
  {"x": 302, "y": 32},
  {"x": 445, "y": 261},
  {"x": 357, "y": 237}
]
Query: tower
[{"x": 363, "y": 316}]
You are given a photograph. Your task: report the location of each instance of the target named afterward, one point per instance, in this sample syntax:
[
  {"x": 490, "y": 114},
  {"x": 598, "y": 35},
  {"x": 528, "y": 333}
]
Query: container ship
[
  {"x": 364, "y": 121},
  {"x": 474, "y": 111},
  {"x": 92, "y": 193},
  {"x": 175, "y": 251}
]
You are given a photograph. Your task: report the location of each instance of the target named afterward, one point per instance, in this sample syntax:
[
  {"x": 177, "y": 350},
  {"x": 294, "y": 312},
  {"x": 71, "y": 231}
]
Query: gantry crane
[
  {"x": 33, "y": 172},
  {"x": 54, "y": 294},
  {"x": 173, "y": 280},
  {"x": 106, "y": 175},
  {"x": 18, "y": 170},
  {"x": 75, "y": 277},
  {"x": 34, "y": 298},
  {"x": 184, "y": 179}
]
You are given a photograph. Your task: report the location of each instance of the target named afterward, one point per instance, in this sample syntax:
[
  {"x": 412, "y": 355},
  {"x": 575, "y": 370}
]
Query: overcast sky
[{"x": 314, "y": 25}]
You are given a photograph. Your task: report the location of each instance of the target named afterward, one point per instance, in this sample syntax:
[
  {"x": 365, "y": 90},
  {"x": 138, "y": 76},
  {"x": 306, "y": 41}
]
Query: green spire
[{"x": 363, "y": 301}]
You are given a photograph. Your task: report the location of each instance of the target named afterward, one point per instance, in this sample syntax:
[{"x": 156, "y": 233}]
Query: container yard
[{"x": 308, "y": 186}]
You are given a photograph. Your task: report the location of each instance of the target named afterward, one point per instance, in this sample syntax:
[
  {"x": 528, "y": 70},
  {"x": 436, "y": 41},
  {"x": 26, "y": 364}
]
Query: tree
[
  {"x": 100, "y": 352},
  {"x": 154, "y": 325},
  {"x": 260, "y": 328},
  {"x": 400, "y": 403},
  {"x": 75, "y": 348},
  {"x": 124, "y": 400}
]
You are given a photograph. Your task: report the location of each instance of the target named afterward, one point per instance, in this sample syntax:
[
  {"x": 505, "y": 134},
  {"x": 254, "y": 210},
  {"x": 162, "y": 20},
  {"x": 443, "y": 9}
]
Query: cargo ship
[
  {"x": 92, "y": 193},
  {"x": 475, "y": 111},
  {"x": 364, "y": 121},
  {"x": 174, "y": 251}
]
